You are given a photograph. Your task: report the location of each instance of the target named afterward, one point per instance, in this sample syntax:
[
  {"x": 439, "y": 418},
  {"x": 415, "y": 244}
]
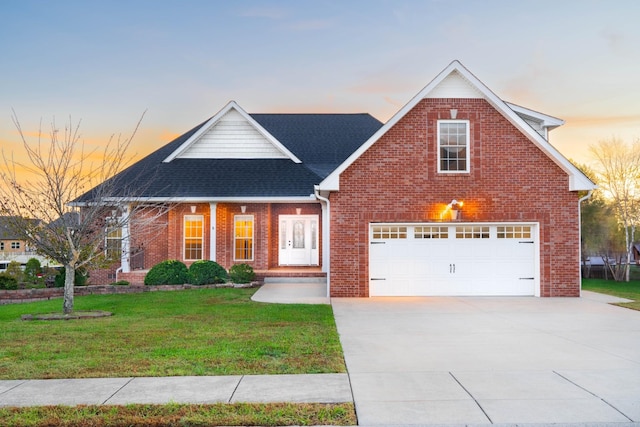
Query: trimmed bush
[
  {"x": 8, "y": 282},
  {"x": 241, "y": 273},
  {"x": 120, "y": 283},
  {"x": 80, "y": 278},
  {"x": 170, "y": 272},
  {"x": 206, "y": 272}
]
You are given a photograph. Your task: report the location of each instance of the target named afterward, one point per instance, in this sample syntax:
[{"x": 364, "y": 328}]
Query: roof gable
[
  {"x": 455, "y": 81},
  {"x": 232, "y": 134}
]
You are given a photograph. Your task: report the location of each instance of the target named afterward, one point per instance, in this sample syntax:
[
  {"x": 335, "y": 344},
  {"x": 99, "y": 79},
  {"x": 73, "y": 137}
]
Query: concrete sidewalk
[{"x": 321, "y": 388}]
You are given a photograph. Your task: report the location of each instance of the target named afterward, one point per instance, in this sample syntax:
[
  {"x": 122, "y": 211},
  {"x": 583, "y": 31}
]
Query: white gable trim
[
  {"x": 215, "y": 119},
  {"x": 577, "y": 180}
]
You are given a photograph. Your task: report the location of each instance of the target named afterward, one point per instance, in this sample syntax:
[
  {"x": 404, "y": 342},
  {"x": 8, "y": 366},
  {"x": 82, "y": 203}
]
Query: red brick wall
[{"x": 510, "y": 179}]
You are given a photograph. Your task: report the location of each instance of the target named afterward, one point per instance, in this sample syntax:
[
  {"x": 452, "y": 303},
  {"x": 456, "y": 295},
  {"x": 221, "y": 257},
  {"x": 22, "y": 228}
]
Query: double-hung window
[
  {"x": 453, "y": 146},
  {"x": 193, "y": 237},
  {"x": 243, "y": 238},
  {"x": 113, "y": 243}
]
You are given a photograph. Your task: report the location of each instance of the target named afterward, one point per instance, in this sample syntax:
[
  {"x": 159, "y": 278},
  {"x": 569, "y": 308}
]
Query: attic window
[{"x": 453, "y": 146}]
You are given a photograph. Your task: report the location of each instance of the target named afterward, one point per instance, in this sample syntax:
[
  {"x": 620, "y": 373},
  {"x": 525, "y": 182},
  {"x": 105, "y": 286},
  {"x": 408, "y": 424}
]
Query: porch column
[
  {"x": 213, "y": 207},
  {"x": 126, "y": 241}
]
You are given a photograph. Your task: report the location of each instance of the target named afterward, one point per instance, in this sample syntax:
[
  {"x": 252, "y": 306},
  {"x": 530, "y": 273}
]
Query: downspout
[
  {"x": 582, "y": 199},
  {"x": 326, "y": 241}
]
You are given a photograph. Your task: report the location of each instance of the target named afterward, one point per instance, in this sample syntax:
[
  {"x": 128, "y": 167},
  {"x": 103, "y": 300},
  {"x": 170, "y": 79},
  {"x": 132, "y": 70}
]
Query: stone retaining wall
[{"x": 30, "y": 295}]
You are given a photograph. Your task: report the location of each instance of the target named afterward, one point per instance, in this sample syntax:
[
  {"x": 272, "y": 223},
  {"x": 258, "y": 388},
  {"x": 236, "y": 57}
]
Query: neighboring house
[
  {"x": 14, "y": 248},
  {"x": 10, "y": 242},
  {"x": 459, "y": 193}
]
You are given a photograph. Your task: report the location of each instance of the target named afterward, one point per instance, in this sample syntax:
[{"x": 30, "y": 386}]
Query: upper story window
[
  {"x": 15, "y": 245},
  {"x": 453, "y": 146},
  {"x": 193, "y": 237}
]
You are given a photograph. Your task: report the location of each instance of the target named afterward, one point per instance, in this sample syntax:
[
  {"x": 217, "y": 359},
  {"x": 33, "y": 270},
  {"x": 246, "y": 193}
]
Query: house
[
  {"x": 13, "y": 247},
  {"x": 459, "y": 193},
  {"x": 10, "y": 242}
]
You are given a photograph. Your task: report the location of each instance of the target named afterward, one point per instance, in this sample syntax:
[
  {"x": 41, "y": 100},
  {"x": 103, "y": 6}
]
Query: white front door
[{"x": 298, "y": 240}]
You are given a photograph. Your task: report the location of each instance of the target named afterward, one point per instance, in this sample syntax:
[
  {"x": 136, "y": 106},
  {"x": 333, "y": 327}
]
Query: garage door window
[
  {"x": 430, "y": 232},
  {"x": 472, "y": 232},
  {"x": 389, "y": 232},
  {"x": 514, "y": 232}
]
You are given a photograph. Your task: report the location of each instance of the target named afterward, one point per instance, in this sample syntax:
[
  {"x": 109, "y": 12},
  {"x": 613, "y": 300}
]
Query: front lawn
[
  {"x": 629, "y": 290},
  {"x": 179, "y": 415},
  {"x": 193, "y": 332}
]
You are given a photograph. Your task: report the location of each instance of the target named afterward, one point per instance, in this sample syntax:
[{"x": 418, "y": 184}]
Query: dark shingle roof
[{"x": 320, "y": 141}]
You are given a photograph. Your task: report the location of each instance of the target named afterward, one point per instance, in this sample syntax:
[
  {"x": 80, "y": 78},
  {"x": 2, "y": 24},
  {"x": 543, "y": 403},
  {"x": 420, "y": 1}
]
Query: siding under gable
[
  {"x": 232, "y": 137},
  {"x": 454, "y": 86}
]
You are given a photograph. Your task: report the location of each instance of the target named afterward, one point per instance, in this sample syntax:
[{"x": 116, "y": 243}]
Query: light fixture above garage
[{"x": 453, "y": 209}]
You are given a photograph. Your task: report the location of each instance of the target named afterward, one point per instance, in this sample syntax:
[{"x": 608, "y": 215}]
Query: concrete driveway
[{"x": 485, "y": 360}]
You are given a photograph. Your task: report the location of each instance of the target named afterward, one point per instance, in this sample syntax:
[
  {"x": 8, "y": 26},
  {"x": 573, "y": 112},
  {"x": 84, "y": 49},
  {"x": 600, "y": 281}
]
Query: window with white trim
[
  {"x": 453, "y": 146},
  {"x": 430, "y": 232},
  {"x": 243, "y": 238},
  {"x": 389, "y": 232},
  {"x": 113, "y": 243},
  {"x": 193, "y": 237},
  {"x": 514, "y": 232},
  {"x": 472, "y": 232},
  {"x": 15, "y": 245}
]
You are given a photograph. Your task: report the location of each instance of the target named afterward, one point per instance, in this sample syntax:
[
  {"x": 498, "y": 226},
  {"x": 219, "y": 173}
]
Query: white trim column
[
  {"x": 126, "y": 240},
  {"x": 213, "y": 208}
]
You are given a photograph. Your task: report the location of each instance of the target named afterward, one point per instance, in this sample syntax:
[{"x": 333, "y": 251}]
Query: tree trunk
[{"x": 67, "y": 304}]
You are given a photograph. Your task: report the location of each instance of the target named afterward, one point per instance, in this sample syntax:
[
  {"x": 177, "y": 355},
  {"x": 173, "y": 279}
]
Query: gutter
[
  {"x": 326, "y": 241},
  {"x": 582, "y": 199}
]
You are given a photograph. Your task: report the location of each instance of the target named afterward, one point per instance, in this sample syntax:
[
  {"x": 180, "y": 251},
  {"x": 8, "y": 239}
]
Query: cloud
[{"x": 614, "y": 40}]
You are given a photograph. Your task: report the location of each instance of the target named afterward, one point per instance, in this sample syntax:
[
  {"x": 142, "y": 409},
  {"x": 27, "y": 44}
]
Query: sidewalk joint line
[
  {"x": 593, "y": 394},
  {"x": 117, "y": 391},
  {"x": 235, "y": 389},
  {"x": 14, "y": 387},
  {"x": 472, "y": 396}
]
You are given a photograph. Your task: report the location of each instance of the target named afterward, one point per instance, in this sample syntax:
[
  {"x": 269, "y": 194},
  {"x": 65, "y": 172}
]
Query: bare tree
[
  {"x": 618, "y": 174},
  {"x": 79, "y": 197}
]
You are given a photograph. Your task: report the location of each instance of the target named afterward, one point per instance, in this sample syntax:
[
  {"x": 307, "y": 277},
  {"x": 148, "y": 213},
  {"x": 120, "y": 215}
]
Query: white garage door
[{"x": 452, "y": 259}]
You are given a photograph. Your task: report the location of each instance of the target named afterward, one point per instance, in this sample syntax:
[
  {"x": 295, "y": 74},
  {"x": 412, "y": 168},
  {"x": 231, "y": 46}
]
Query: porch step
[{"x": 296, "y": 279}]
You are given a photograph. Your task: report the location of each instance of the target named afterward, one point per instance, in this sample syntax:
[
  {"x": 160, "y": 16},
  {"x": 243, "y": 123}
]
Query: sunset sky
[{"x": 107, "y": 62}]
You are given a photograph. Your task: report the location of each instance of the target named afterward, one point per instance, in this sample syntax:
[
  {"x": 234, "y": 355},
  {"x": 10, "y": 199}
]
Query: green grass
[
  {"x": 193, "y": 332},
  {"x": 629, "y": 290},
  {"x": 179, "y": 415}
]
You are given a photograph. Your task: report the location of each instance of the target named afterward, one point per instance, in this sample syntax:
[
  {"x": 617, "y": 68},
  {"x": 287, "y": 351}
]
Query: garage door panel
[{"x": 462, "y": 260}]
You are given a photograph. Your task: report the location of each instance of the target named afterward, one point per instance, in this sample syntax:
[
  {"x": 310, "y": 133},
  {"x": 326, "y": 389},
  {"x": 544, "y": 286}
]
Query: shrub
[
  {"x": 241, "y": 273},
  {"x": 120, "y": 283},
  {"x": 8, "y": 282},
  {"x": 80, "y": 278},
  {"x": 14, "y": 269},
  {"x": 205, "y": 272},
  {"x": 170, "y": 272},
  {"x": 32, "y": 269}
]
